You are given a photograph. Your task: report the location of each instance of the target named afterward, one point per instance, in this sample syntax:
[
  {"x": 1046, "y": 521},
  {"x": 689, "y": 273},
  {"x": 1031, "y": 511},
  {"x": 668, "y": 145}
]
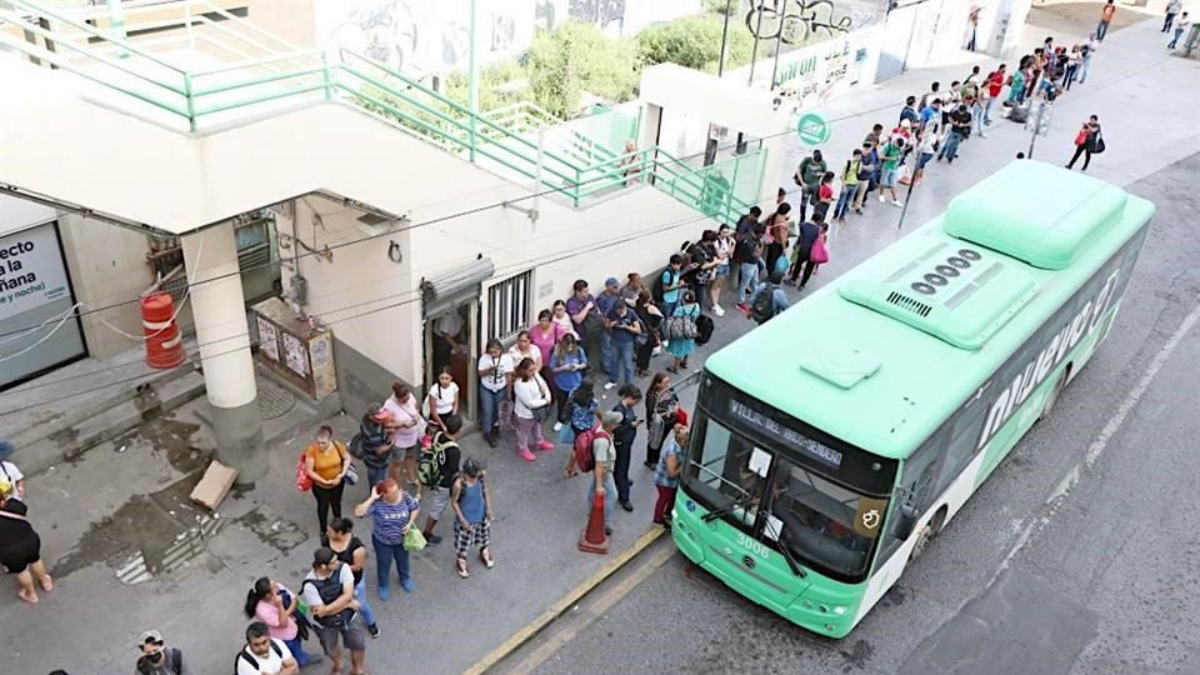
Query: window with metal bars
[{"x": 508, "y": 306}]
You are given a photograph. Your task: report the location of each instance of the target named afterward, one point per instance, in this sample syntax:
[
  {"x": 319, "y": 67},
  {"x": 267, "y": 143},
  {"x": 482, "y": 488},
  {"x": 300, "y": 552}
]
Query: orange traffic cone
[{"x": 593, "y": 539}]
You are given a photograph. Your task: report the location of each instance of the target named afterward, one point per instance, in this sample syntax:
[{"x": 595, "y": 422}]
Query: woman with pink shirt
[
  {"x": 544, "y": 335},
  {"x": 272, "y": 604},
  {"x": 406, "y": 432}
]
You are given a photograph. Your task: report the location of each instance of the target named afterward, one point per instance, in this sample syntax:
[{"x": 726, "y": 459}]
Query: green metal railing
[{"x": 578, "y": 169}]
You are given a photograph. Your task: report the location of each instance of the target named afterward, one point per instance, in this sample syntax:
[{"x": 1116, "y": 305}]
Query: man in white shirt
[{"x": 264, "y": 655}]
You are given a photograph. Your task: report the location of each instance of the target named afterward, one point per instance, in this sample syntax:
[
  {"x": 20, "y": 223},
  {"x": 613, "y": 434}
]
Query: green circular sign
[{"x": 813, "y": 129}]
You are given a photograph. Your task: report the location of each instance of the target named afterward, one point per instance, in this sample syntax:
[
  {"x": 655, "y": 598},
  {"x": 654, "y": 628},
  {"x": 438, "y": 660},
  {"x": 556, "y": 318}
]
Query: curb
[{"x": 564, "y": 604}]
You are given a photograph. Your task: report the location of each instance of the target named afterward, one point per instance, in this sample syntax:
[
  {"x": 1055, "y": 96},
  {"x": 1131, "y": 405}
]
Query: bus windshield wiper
[
  {"x": 740, "y": 502},
  {"x": 783, "y": 547}
]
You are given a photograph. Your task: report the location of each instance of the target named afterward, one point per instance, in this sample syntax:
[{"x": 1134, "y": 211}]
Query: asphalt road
[{"x": 1040, "y": 574}]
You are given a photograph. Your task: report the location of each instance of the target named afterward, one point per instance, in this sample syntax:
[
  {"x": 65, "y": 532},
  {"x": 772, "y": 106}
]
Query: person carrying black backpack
[{"x": 264, "y": 655}]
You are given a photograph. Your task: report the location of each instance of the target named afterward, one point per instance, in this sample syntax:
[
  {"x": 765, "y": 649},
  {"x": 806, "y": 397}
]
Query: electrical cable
[
  {"x": 468, "y": 212},
  {"x": 567, "y": 254}
]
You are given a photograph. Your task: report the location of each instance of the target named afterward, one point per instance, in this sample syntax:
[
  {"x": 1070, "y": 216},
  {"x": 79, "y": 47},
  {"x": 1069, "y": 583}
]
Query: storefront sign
[{"x": 35, "y": 305}]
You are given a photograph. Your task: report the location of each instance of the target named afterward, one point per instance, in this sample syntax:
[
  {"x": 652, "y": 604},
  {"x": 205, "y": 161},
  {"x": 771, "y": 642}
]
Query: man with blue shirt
[
  {"x": 931, "y": 117},
  {"x": 611, "y": 297},
  {"x": 624, "y": 327}
]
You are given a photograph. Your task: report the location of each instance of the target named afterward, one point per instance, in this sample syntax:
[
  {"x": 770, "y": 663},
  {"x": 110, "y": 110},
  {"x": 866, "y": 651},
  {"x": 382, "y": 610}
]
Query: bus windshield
[
  {"x": 769, "y": 494},
  {"x": 816, "y": 520}
]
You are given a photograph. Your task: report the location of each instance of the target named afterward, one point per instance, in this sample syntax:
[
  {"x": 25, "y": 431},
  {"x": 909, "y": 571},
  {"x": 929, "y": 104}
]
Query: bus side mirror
[{"x": 906, "y": 523}]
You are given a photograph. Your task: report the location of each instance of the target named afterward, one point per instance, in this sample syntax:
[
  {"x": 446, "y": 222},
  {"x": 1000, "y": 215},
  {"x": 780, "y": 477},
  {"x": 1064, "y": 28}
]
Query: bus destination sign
[{"x": 789, "y": 437}]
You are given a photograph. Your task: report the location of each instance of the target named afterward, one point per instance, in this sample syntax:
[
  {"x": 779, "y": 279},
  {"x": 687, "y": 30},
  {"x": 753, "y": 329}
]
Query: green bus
[{"x": 831, "y": 444}]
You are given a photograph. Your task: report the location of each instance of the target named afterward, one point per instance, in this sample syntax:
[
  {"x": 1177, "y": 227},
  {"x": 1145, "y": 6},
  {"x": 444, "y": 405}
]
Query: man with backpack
[
  {"x": 159, "y": 659},
  {"x": 329, "y": 592},
  {"x": 264, "y": 655},
  {"x": 595, "y": 453},
  {"x": 436, "y": 469},
  {"x": 769, "y": 300},
  {"x": 667, "y": 289}
]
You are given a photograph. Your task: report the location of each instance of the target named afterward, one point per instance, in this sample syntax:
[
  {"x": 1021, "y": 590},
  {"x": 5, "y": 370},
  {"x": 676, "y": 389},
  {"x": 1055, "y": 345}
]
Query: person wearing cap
[
  {"x": 159, "y": 659},
  {"x": 376, "y": 442},
  {"x": 473, "y": 516},
  {"x": 605, "y": 302},
  {"x": 605, "y": 454},
  {"x": 328, "y": 589},
  {"x": 265, "y": 655}
]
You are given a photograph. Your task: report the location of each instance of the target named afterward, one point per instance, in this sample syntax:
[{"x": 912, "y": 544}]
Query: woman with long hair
[
  {"x": 651, "y": 318},
  {"x": 568, "y": 364},
  {"x": 533, "y": 397},
  {"x": 273, "y": 604},
  {"x": 681, "y": 346},
  {"x": 778, "y": 229},
  {"x": 353, "y": 553},
  {"x": 661, "y": 407},
  {"x": 326, "y": 462},
  {"x": 723, "y": 250}
]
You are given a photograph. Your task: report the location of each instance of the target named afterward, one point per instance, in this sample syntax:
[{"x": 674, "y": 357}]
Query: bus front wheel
[{"x": 927, "y": 534}]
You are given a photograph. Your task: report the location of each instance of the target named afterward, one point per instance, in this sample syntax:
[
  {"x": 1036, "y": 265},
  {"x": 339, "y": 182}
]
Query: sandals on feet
[
  {"x": 28, "y": 596},
  {"x": 47, "y": 583},
  {"x": 486, "y": 556},
  {"x": 461, "y": 565}
]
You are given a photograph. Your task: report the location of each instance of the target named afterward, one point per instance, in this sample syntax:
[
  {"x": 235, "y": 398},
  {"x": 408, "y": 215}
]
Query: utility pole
[
  {"x": 724, "y": 39},
  {"x": 1039, "y": 123}
]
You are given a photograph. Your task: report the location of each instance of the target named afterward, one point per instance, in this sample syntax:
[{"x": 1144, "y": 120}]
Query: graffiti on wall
[
  {"x": 795, "y": 22},
  {"x": 816, "y": 72},
  {"x": 607, "y": 14}
]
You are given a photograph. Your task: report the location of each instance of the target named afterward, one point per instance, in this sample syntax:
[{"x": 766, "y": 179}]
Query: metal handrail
[
  {"x": 414, "y": 107},
  {"x": 87, "y": 30}
]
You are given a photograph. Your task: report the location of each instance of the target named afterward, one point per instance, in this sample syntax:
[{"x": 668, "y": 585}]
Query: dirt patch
[
  {"x": 172, "y": 439},
  {"x": 274, "y": 531}
]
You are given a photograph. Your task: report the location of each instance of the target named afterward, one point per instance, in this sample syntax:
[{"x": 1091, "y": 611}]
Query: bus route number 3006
[{"x": 756, "y": 547}]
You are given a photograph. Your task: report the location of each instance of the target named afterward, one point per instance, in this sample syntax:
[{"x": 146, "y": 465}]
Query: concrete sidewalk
[{"x": 131, "y": 554}]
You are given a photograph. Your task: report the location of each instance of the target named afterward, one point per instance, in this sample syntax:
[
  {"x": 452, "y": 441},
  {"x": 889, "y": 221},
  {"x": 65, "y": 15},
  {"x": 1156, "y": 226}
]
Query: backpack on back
[
  {"x": 250, "y": 657},
  {"x": 330, "y": 589},
  {"x": 432, "y": 460},
  {"x": 585, "y": 458},
  {"x": 764, "y": 304},
  {"x": 704, "y": 329}
]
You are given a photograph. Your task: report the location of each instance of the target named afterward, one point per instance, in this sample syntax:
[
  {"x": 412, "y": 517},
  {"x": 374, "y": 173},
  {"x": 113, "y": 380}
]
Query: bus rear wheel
[
  {"x": 1052, "y": 397},
  {"x": 927, "y": 534}
]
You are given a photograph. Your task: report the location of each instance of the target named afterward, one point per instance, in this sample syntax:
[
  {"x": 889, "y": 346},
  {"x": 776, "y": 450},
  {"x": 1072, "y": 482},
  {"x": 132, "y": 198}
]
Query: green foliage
[
  {"x": 499, "y": 85},
  {"x": 695, "y": 42},
  {"x": 577, "y": 57},
  {"x": 718, "y": 7}
]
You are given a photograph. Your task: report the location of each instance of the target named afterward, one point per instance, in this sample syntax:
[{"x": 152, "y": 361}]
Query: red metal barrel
[{"x": 164, "y": 342}]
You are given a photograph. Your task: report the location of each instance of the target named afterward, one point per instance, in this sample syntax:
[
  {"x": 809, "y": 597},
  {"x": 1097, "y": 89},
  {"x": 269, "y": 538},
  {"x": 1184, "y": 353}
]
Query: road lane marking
[
  {"x": 603, "y": 603},
  {"x": 1100, "y": 444},
  {"x": 564, "y": 604}
]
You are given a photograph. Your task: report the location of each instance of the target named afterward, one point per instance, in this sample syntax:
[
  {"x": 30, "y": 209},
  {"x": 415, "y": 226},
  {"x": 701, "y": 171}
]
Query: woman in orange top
[{"x": 326, "y": 463}]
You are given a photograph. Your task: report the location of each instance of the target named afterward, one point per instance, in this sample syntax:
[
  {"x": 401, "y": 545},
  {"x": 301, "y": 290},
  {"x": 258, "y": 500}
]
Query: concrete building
[{"x": 360, "y": 204}]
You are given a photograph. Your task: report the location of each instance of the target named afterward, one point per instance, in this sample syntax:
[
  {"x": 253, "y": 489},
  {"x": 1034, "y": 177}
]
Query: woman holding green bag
[{"x": 393, "y": 512}]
